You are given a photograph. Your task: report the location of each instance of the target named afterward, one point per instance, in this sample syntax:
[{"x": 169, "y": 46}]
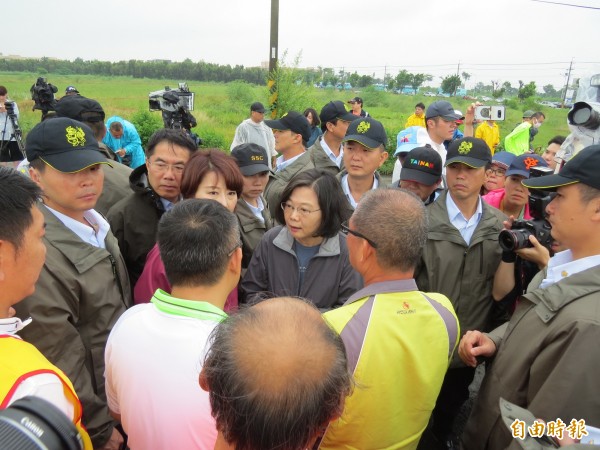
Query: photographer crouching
[{"x": 10, "y": 133}]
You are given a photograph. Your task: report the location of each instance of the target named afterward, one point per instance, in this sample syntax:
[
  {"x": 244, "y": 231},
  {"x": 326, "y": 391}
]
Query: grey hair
[
  {"x": 254, "y": 404},
  {"x": 397, "y": 221}
]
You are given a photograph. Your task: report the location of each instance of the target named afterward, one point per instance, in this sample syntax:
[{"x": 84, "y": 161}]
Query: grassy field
[{"x": 219, "y": 108}]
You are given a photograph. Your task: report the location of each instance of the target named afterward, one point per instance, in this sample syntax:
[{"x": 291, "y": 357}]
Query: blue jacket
[{"x": 130, "y": 141}]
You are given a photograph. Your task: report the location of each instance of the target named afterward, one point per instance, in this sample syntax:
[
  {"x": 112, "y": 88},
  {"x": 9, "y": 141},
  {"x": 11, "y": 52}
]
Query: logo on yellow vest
[{"x": 406, "y": 309}]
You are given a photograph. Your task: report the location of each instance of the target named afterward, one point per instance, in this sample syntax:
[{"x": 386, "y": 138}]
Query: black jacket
[{"x": 134, "y": 222}]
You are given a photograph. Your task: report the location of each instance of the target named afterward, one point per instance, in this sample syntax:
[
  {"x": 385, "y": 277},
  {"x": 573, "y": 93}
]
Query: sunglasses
[{"x": 346, "y": 229}]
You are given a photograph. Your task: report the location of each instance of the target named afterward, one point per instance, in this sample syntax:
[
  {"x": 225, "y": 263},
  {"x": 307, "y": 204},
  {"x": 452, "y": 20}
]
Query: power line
[{"x": 566, "y": 4}]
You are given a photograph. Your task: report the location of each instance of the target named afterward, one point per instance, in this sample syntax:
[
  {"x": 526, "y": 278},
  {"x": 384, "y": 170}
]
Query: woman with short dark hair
[{"x": 307, "y": 257}]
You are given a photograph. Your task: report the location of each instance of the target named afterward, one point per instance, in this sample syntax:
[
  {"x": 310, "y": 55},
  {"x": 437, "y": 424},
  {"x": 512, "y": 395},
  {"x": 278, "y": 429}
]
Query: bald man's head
[{"x": 276, "y": 374}]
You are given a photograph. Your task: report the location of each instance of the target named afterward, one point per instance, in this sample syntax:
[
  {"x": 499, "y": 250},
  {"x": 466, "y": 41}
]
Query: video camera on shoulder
[
  {"x": 518, "y": 237},
  {"x": 171, "y": 100},
  {"x": 42, "y": 94},
  {"x": 175, "y": 105}
]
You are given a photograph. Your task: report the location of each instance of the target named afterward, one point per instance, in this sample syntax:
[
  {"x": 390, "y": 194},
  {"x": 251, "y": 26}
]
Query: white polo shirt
[{"x": 153, "y": 358}]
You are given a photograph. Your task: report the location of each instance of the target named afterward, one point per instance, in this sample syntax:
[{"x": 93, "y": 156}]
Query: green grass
[{"x": 220, "y": 107}]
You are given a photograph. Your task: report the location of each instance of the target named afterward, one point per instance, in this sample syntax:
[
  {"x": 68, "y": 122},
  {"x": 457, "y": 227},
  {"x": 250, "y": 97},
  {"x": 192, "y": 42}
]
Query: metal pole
[
  {"x": 273, "y": 50},
  {"x": 567, "y": 85}
]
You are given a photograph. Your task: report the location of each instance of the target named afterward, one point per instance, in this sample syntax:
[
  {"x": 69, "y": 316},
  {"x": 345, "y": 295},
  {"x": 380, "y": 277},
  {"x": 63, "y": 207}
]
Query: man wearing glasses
[
  {"x": 356, "y": 104},
  {"x": 399, "y": 340},
  {"x": 254, "y": 131},
  {"x": 155, "y": 186}
]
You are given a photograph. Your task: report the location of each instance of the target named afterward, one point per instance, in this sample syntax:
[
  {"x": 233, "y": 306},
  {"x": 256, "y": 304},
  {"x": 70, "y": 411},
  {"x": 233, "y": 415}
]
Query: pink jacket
[
  {"x": 494, "y": 198},
  {"x": 154, "y": 277}
]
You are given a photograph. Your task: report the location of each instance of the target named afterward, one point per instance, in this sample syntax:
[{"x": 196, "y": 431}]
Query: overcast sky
[{"x": 506, "y": 40}]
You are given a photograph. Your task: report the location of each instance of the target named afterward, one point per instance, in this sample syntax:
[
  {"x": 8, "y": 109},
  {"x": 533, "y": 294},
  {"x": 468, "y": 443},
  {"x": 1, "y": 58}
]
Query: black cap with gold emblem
[
  {"x": 64, "y": 144},
  {"x": 472, "y": 152},
  {"x": 368, "y": 132}
]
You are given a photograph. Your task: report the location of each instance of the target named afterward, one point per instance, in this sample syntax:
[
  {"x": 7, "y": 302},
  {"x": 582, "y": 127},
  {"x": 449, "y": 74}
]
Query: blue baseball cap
[
  {"x": 410, "y": 138},
  {"x": 522, "y": 163},
  {"x": 503, "y": 159}
]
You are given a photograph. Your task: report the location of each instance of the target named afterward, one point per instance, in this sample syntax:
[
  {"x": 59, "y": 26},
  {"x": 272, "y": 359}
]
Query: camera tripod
[{"x": 17, "y": 133}]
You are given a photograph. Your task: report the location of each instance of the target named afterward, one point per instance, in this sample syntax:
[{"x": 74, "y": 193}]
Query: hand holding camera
[{"x": 483, "y": 112}]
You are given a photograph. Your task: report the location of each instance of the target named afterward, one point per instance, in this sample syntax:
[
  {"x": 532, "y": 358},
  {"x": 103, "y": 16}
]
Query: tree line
[
  {"x": 205, "y": 71},
  {"x": 157, "y": 69}
]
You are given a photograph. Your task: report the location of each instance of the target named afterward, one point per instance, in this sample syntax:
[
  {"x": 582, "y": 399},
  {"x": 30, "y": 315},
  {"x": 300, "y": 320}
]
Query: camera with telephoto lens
[
  {"x": 42, "y": 94},
  {"x": 518, "y": 236},
  {"x": 33, "y": 423},
  {"x": 175, "y": 105}
]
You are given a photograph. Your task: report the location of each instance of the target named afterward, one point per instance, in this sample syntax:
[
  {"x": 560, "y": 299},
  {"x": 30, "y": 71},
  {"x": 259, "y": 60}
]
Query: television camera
[
  {"x": 583, "y": 120},
  {"x": 42, "y": 94},
  {"x": 14, "y": 120},
  {"x": 175, "y": 105},
  {"x": 518, "y": 236}
]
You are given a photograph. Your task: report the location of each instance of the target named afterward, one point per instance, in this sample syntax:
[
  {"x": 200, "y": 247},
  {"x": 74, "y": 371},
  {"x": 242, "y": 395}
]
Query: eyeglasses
[
  {"x": 288, "y": 209},
  {"x": 238, "y": 245},
  {"x": 346, "y": 229},
  {"x": 161, "y": 167},
  {"x": 352, "y": 103},
  {"x": 497, "y": 172}
]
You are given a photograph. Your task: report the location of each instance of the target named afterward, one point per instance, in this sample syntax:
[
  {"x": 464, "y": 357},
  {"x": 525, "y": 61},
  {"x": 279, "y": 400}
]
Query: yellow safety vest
[{"x": 21, "y": 360}]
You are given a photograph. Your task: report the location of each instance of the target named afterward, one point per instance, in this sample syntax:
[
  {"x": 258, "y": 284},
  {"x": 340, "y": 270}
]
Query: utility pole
[
  {"x": 458, "y": 75},
  {"x": 384, "y": 76},
  {"x": 273, "y": 50},
  {"x": 567, "y": 84}
]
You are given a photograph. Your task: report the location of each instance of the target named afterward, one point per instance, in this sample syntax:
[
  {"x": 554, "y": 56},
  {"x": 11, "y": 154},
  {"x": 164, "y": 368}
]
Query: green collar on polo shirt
[{"x": 187, "y": 308}]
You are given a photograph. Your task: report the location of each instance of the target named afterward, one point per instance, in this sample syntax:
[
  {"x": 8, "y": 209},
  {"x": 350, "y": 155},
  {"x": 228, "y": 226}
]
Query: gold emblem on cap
[
  {"x": 75, "y": 136},
  {"x": 465, "y": 147},
  {"x": 363, "y": 127}
]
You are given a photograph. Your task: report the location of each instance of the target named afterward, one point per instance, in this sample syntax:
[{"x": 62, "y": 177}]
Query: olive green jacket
[
  {"x": 81, "y": 292},
  {"x": 463, "y": 273}
]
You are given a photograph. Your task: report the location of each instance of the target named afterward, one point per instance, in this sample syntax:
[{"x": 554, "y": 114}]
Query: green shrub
[
  {"x": 240, "y": 94},
  {"x": 213, "y": 139},
  {"x": 373, "y": 97},
  {"x": 146, "y": 124}
]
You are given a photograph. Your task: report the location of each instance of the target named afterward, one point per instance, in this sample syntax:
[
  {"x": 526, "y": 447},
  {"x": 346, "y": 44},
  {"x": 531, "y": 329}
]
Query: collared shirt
[
  {"x": 346, "y": 189},
  {"x": 156, "y": 344},
  {"x": 466, "y": 227},
  {"x": 167, "y": 204},
  {"x": 257, "y": 211},
  {"x": 94, "y": 234},
  {"x": 336, "y": 159},
  {"x": 562, "y": 266},
  {"x": 283, "y": 163},
  {"x": 195, "y": 309}
]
